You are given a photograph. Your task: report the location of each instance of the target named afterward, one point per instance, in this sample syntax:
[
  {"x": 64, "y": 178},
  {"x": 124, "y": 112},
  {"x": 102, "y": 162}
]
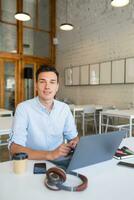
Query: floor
[{"x": 4, "y": 154}]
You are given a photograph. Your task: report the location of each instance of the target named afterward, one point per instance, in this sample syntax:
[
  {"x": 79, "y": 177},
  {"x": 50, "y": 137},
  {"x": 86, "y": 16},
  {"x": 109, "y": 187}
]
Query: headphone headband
[{"x": 55, "y": 177}]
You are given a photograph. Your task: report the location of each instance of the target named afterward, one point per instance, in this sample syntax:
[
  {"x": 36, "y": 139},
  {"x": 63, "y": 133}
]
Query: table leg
[
  {"x": 130, "y": 127},
  {"x": 100, "y": 118}
]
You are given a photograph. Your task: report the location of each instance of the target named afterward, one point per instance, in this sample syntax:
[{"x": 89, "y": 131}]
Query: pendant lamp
[
  {"x": 66, "y": 26},
  {"x": 22, "y": 16},
  {"x": 119, "y": 3}
]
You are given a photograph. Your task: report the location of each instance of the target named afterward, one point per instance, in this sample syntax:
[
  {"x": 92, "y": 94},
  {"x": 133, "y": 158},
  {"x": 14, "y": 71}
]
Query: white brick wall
[{"x": 101, "y": 33}]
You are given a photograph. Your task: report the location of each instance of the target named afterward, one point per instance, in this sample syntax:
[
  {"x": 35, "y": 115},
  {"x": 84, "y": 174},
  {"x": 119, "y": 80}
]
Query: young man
[{"x": 41, "y": 124}]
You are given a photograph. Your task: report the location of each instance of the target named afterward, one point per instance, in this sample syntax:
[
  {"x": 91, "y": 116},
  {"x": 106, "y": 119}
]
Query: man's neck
[{"x": 47, "y": 103}]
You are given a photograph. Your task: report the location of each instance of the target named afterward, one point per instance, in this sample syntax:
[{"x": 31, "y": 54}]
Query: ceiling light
[
  {"x": 119, "y": 3},
  {"x": 66, "y": 26},
  {"x": 22, "y": 16}
]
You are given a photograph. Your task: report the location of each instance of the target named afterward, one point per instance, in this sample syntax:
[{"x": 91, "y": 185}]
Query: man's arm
[{"x": 62, "y": 150}]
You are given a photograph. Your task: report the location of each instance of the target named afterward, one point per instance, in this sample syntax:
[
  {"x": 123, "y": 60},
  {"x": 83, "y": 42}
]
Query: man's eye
[
  {"x": 42, "y": 81},
  {"x": 53, "y": 82}
]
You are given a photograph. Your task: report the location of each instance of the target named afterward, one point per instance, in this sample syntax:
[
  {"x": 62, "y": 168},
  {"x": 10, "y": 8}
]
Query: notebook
[{"x": 92, "y": 149}]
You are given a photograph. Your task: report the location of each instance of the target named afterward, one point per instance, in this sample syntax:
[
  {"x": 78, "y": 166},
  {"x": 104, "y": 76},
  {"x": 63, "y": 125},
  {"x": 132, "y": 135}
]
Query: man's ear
[{"x": 57, "y": 87}]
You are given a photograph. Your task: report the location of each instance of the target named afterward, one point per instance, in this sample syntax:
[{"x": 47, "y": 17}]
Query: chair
[
  {"x": 76, "y": 114},
  {"x": 89, "y": 115},
  {"x": 107, "y": 118},
  {"x": 119, "y": 126}
]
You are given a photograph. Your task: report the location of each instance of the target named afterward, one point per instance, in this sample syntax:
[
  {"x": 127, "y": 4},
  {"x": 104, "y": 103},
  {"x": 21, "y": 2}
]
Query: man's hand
[
  {"x": 62, "y": 150},
  {"x": 72, "y": 143}
]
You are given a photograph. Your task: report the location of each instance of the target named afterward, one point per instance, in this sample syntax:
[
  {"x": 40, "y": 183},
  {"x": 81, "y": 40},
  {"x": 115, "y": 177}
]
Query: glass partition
[
  {"x": 8, "y": 9},
  {"x": 36, "y": 43},
  {"x": 44, "y": 13},
  {"x": 30, "y": 7},
  {"x": 9, "y": 77},
  {"x": 8, "y": 38}
]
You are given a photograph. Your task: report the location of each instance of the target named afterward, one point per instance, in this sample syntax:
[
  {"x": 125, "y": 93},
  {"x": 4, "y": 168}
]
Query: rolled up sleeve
[
  {"x": 70, "y": 130},
  {"x": 19, "y": 132}
]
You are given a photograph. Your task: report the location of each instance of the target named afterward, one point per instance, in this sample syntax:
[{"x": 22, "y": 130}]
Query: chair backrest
[
  {"x": 89, "y": 110},
  {"x": 71, "y": 106},
  {"x": 109, "y": 108}
]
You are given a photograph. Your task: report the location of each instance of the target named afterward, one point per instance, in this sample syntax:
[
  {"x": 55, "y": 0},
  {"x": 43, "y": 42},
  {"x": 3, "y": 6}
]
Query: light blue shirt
[{"x": 36, "y": 128}]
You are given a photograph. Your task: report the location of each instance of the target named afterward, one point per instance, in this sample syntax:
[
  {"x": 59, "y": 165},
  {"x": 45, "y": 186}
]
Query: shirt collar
[{"x": 42, "y": 106}]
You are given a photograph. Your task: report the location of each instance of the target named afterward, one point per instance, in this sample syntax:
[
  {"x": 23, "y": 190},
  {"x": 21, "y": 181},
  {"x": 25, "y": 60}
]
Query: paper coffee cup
[{"x": 19, "y": 162}]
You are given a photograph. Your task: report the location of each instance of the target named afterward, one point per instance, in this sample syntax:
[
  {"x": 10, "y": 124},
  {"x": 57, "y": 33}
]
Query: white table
[
  {"x": 5, "y": 127},
  {"x": 79, "y": 108},
  {"x": 6, "y": 112},
  {"x": 126, "y": 114},
  {"x": 107, "y": 181}
]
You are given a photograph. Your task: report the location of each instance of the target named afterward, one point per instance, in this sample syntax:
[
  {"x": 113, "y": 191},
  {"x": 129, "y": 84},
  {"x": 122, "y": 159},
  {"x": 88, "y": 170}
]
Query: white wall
[{"x": 101, "y": 33}]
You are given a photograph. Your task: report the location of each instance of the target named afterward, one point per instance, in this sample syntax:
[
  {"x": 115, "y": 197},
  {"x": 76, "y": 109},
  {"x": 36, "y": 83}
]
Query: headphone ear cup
[{"x": 55, "y": 176}]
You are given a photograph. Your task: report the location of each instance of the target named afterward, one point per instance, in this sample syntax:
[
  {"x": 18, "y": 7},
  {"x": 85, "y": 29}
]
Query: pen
[
  {"x": 127, "y": 150},
  {"x": 120, "y": 152}
]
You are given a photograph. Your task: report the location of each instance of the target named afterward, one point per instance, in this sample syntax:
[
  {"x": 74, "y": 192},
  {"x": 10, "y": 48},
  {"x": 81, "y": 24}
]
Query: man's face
[{"x": 47, "y": 85}]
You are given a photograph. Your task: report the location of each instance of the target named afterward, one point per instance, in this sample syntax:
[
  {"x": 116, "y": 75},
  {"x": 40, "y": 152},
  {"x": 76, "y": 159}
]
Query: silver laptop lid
[{"x": 93, "y": 149}]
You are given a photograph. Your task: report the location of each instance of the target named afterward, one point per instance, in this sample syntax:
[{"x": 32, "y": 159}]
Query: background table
[
  {"x": 107, "y": 181},
  {"x": 5, "y": 127},
  {"x": 5, "y": 112},
  {"x": 126, "y": 114},
  {"x": 79, "y": 108}
]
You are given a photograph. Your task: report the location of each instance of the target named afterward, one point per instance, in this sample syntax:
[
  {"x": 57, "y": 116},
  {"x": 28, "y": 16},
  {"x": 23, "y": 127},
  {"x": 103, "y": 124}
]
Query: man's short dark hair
[{"x": 44, "y": 68}]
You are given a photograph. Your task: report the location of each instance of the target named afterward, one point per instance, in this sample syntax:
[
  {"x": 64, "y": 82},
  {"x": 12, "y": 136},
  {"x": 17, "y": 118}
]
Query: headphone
[{"x": 55, "y": 177}]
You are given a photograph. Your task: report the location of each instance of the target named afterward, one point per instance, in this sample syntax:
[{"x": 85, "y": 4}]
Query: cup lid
[{"x": 20, "y": 156}]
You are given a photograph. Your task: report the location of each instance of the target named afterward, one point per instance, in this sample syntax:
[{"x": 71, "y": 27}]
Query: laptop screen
[{"x": 93, "y": 149}]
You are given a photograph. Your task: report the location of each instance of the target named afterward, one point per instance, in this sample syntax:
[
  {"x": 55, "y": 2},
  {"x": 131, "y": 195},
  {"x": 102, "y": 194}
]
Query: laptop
[{"x": 92, "y": 149}]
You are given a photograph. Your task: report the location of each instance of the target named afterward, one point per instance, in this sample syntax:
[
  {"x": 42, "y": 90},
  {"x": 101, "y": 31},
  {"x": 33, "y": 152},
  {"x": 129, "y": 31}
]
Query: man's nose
[{"x": 47, "y": 85}]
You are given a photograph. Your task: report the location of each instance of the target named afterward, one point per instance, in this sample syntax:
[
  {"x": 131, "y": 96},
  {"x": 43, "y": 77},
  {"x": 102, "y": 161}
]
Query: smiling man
[{"x": 42, "y": 124}]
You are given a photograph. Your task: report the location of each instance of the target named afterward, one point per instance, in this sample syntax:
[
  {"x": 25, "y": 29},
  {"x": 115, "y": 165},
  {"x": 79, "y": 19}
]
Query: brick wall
[{"x": 101, "y": 33}]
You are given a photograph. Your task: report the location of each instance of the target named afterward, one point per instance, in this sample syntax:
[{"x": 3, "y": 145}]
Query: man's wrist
[{"x": 51, "y": 155}]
